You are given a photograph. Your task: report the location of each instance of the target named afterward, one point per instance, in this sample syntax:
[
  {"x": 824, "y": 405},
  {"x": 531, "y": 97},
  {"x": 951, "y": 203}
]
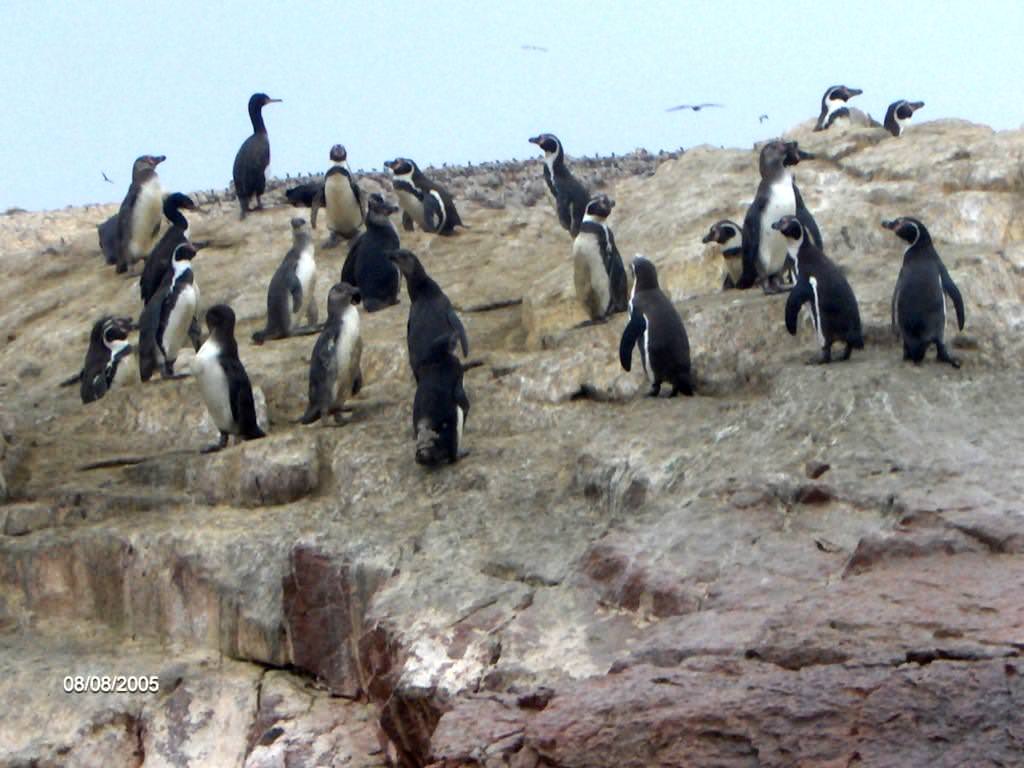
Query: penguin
[
  {"x": 430, "y": 314},
  {"x": 253, "y": 156},
  {"x": 367, "y": 266},
  {"x": 570, "y": 195},
  {"x": 334, "y": 373},
  {"x": 109, "y": 244},
  {"x": 342, "y": 198},
  {"x": 899, "y": 114},
  {"x": 833, "y": 105},
  {"x": 138, "y": 220},
  {"x": 107, "y": 363},
  {"x": 764, "y": 249},
  {"x": 599, "y": 275},
  {"x": 159, "y": 259},
  {"x": 292, "y": 287},
  {"x": 223, "y": 382},
  {"x": 440, "y": 406},
  {"x": 656, "y": 328},
  {"x": 303, "y": 195},
  {"x": 821, "y": 284},
  {"x": 918, "y": 302},
  {"x": 168, "y": 315},
  {"x": 728, "y": 235},
  {"x": 424, "y": 202}
]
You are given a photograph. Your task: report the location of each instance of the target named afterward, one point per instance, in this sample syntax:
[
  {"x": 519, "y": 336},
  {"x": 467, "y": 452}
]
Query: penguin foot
[
  {"x": 589, "y": 323},
  {"x": 942, "y": 355},
  {"x": 332, "y": 242},
  {"x": 655, "y": 391},
  {"x": 217, "y": 446}
]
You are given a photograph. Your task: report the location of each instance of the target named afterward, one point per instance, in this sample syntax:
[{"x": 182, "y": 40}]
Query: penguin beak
[
  {"x": 916, "y": 105},
  {"x": 853, "y": 92},
  {"x": 890, "y": 224},
  {"x": 159, "y": 159},
  {"x": 805, "y": 155},
  {"x": 777, "y": 225},
  {"x": 708, "y": 237},
  {"x": 535, "y": 140}
]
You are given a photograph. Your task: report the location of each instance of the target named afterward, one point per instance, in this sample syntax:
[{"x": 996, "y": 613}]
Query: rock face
[{"x": 802, "y": 565}]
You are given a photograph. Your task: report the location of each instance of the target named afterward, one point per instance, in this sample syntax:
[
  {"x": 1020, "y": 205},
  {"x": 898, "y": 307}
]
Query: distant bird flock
[{"x": 777, "y": 247}]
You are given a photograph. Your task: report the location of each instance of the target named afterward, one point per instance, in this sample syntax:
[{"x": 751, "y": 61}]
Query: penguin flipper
[
  {"x": 751, "y": 242},
  {"x": 433, "y": 214},
  {"x": 630, "y": 335},
  {"x": 318, "y": 202},
  {"x": 547, "y": 180},
  {"x": 617, "y": 282},
  {"x": 243, "y": 405},
  {"x": 456, "y": 324},
  {"x": 295, "y": 289},
  {"x": 348, "y": 269},
  {"x": 954, "y": 294},
  {"x": 461, "y": 399},
  {"x": 801, "y": 292}
]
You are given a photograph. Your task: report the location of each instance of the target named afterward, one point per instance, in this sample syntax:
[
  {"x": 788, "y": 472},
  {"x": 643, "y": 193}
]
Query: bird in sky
[
  {"x": 762, "y": 118},
  {"x": 694, "y": 107},
  {"x": 534, "y": 48},
  {"x": 105, "y": 178}
]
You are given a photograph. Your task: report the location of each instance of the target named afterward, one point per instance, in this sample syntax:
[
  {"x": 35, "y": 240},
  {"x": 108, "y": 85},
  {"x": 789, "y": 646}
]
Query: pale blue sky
[{"x": 91, "y": 86}]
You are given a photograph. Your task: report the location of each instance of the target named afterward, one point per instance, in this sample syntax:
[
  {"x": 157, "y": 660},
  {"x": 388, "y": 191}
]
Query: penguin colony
[{"x": 778, "y": 247}]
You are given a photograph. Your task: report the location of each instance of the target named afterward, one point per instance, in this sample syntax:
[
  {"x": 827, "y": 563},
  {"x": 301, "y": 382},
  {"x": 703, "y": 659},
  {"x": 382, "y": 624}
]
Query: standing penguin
[
  {"x": 334, "y": 373},
  {"x": 919, "y": 301},
  {"x": 833, "y": 105},
  {"x": 656, "y": 328},
  {"x": 223, "y": 382},
  {"x": 570, "y": 195},
  {"x": 367, "y": 266},
  {"x": 292, "y": 287},
  {"x": 138, "y": 220},
  {"x": 341, "y": 196},
  {"x": 159, "y": 259},
  {"x": 107, "y": 363},
  {"x": 430, "y": 314},
  {"x": 764, "y": 249},
  {"x": 424, "y": 201},
  {"x": 440, "y": 407},
  {"x": 834, "y": 308},
  {"x": 599, "y": 275},
  {"x": 729, "y": 237},
  {"x": 168, "y": 315},
  {"x": 899, "y": 114},
  {"x": 253, "y": 156}
]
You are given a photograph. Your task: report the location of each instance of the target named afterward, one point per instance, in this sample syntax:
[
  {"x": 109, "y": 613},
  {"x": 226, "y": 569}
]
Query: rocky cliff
[{"x": 803, "y": 565}]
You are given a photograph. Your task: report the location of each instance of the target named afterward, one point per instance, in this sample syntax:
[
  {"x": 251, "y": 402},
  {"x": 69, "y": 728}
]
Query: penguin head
[
  {"x": 780, "y": 154},
  {"x": 906, "y": 109},
  {"x": 839, "y": 95},
  {"x": 401, "y": 167},
  {"x": 109, "y": 329},
  {"x": 790, "y": 228},
  {"x": 177, "y": 201},
  {"x": 722, "y": 232},
  {"x": 338, "y": 153},
  {"x": 146, "y": 163},
  {"x": 300, "y": 228},
  {"x": 183, "y": 252},
  {"x": 548, "y": 143},
  {"x": 379, "y": 206},
  {"x": 644, "y": 273},
  {"x": 220, "y": 319},
  {"x": 341, "y": 295},
  {"x": 259, "y": 100},
  {"x": 599, "y": 207},
  {"x": 406, "y": 262},
  {"x": 909, "y": 230}
]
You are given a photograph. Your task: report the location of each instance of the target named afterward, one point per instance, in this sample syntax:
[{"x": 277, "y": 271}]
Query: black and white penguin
[
  {"x": 656, "y": 328},
  {"x": 430, "y": 313},
  {"x": 159, "y": 259},
  {"x": 424, "y": 202},
  {"x": 823, "y": 286},
  {"x": 292, "y": 287},
  {"x": 168, "y": 315},
  {"x": 440, "y": 406},
  {"x": 899, "y": 115},
  {"x": 571, "y": 197},
  {"x": 367, "y": 266},
  {"x": 334, "y": 372},
  {"x": 223, "y": 382},
  {"x": 597, "y": 266},
  {"x": 138, "y": 220},
  {"x": 303, "y": 195},
  {"x": 341, "y": 197},
  {"x": 729, "y": 237},
  {"x": 253, "y": 156},
  {"x": 833, "y": 105},
  {"x": 764, "y": 249},
  {"x": 108, "y": 362},
  {"x": 919, "y": 301}
]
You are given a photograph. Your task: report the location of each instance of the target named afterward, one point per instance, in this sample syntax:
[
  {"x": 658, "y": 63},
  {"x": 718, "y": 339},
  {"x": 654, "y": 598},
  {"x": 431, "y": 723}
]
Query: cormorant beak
[
  {"x": 890, "y": 224},
  {"x": 274, "y": 101}
]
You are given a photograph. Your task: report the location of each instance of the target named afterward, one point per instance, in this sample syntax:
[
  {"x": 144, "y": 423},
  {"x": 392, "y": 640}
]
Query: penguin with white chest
[
  {"x": 899, "y": 115},
  {"x": 424, "y": 202},
  {"x": 292, "y": 287},
  {"x": 571, "y": 197},
  {"x": 834, "y": 105},
  {"x": 334, "y": 372},
  {"x": 138, "y": 220},
  {"x": 367, "y": 266},
  {"x": 108, "y": 364},
  {"x": 919, "y": 300},
  {"x": 765, "y": 253},
  {"x": 822, "y": 286},
  {"x": 656, "y": 328},
  {"x": 440, "y": 406},
  {"x": 729, "y": 237},
  {"x": 168, "y": 315},
  {"x": 342, "y": 198},
  {"x": 223, "y": 382},
  {"x": 597, "y": 266}
]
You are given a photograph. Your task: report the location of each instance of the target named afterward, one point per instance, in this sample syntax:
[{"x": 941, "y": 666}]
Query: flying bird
[
  {"x": 762, "y": 118},
  {"x": 694, "y": 107},
  {"x": 105, "y": 178},
  {"x": 534, "y": 48}
]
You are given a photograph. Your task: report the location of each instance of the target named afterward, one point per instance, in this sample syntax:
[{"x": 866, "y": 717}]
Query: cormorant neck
[
  {"x": 177, "y": 218},
  {"x": 256, "y": 115}
]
